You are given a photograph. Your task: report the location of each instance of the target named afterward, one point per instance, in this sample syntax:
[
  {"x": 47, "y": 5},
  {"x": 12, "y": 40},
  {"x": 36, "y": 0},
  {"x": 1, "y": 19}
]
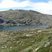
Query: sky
[{"x": 43, "y": 6}]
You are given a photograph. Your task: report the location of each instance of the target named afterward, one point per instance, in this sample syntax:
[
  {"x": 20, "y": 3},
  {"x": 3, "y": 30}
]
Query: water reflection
[
  {"x": 23, "y": 27},
  {"x": 1, "y": 27}
]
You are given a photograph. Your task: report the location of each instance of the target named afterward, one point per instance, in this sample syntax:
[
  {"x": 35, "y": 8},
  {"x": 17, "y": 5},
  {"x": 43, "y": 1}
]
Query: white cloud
[
  {"x": 42, "y": 7},
  {"x": 11, "y": 4}
]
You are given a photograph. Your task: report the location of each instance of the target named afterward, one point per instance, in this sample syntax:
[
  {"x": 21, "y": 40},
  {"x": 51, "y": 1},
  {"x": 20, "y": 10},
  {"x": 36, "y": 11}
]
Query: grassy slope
[{"x": 26, "y": 41}]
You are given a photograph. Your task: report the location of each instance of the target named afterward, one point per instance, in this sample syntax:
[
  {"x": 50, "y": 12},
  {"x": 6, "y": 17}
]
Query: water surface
[{"x": 22, "y": 27}]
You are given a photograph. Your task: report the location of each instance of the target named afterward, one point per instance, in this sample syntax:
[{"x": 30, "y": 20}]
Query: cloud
[
  {"x": 12, "y": 4},
  {"x": 43, "y": 7}
]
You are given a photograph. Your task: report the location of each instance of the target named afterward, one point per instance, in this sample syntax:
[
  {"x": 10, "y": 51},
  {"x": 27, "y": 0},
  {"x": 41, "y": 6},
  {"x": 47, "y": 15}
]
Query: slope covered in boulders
[
  {"x": 25, "y": 17},
  {"x": 26, "y": 41}
]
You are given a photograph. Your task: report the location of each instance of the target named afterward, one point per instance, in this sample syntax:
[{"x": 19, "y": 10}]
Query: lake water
[{"x": 22, "y": 27}]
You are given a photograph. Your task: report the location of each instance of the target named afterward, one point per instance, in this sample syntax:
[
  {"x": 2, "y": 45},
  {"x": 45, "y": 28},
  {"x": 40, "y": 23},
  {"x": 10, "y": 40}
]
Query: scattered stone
[
  {"x": 39, "y": 31},
  {"x": 17, "y": 42},
  {"x": 36, "y": 49},
  {"x": 10, "y": 47},
  {"x": 5, "y": 46},
  {"x": 47, "y": 44},
  {"x": 28, "y": 35},
  {"x": 2, "y": 47}
]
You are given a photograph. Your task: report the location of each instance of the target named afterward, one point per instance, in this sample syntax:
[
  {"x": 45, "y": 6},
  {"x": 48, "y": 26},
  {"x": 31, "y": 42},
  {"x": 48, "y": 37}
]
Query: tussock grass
[{"x": 26, "y": 41}]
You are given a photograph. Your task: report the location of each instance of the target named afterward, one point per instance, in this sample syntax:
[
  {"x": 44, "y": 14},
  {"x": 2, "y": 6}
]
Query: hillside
[
  {"x": 26, "y": 41},
  {"x": 24, "y": 37},
  {"x": 25, "y": 17}
]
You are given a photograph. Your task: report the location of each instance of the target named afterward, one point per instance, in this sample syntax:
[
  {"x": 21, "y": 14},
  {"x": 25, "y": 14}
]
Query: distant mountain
[{"x": 25, "y": 17}]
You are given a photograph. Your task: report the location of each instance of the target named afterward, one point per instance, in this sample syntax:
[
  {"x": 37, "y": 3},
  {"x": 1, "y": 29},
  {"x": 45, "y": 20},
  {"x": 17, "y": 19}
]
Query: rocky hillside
[
  {"x": 26, "y": 41},
  {"x": 24, "y": 17}
]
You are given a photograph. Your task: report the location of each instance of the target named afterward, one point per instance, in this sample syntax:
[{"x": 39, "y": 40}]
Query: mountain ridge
[{"x": 26, "y": 17}]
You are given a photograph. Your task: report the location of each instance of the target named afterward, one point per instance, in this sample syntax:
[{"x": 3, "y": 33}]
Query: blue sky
[
  {"x": 39, "y": 0},
  {"x": 35, "y": 0},
  {"x": 43, "y": 6}
]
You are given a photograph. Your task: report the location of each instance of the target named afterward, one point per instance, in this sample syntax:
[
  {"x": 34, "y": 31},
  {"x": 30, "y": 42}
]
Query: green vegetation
[
  {"x": 26, "y": 41},
  {"x": 38, "y": 40}
]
